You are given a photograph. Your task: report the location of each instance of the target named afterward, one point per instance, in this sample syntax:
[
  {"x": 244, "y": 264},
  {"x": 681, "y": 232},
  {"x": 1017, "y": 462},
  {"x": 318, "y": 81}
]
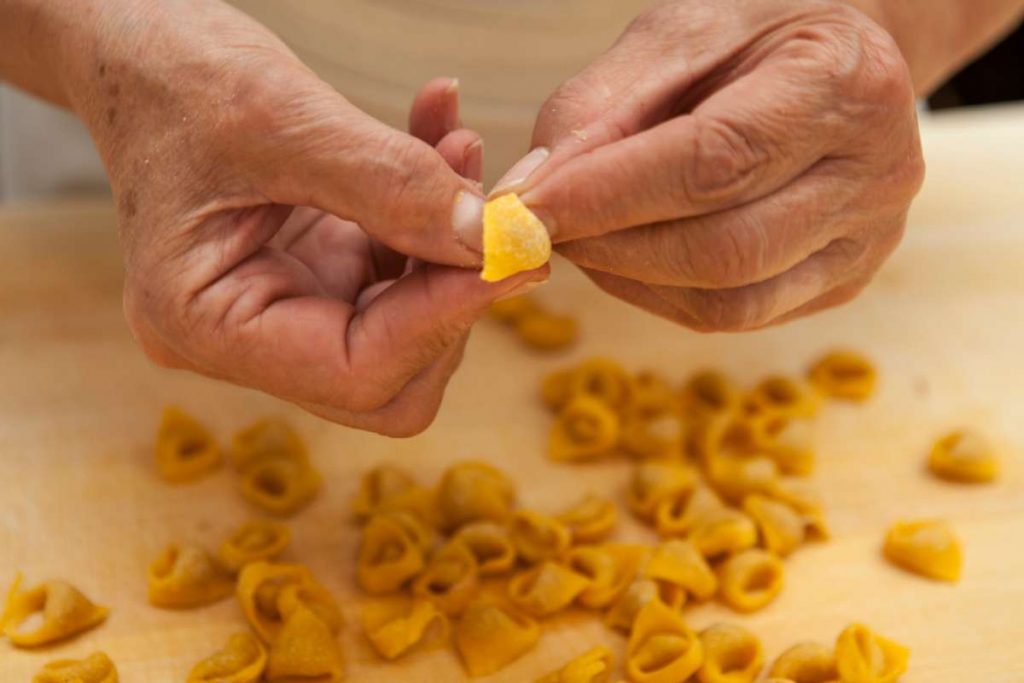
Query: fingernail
[
  {"x": 473, "y": 161},
  {"x": 522, "y": 289},
  {"x": 451, "y": 117},
  {"x": 521, "y": 171},
  {"x": 468, "y": 221}
]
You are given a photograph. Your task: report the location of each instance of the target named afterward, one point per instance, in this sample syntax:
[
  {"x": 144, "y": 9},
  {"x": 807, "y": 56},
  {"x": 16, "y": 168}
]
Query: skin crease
[{"x": 732, "y": 165}]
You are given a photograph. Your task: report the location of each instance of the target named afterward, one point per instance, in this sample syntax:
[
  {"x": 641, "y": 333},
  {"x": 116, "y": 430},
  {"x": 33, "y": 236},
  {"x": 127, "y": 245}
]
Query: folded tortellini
[
  {"x": 268, "y": 593},
  {"x": 241, "y": 660},
  {"x": 786, "y": 397},
  {"x": 750, "y": 579},
  {"x": 844, "y": 375},
  {"x": 735, "y": 477},
  {"x": 257, "y": 539},
  {"x": 638, "y": 594},
  {"x": 602, "y": 379},
  {"x": 863, "y": 656},
  {"x": 661, "y": 647},
  {"x": 593, "y": 666},
  {"x": 546, "y": 588},
  {"x": 450, "y": 580},
  {"x": 679, "y": 563},
  {"x": 271, "y": 438},
  {"x": 274, "y": 467},
  {"x": 709, "y": 393},
  {"x": 537, "y": 536},
  {"x": 305, "y": 650},
  {"x": 391, "y": 553},
  {"x": 490, "y": 635},
  {"x": 547, "y": 331},
  {"x": 609, "y": 570},
  {"x": 653, "y": 482},
  {"x": 782, "y": 528},
  {"x": 964, "y": 456},
  {"x": 395, "y": 627},
  {"x": 723, "y": 531},
  {"x": 63, "y": 609},
  {"x": 681, "y": 511},
  {"x": 491, "y": 545},
  {"x": 184, "y": 576},
  {"x": 585, "y": 428},
  {"x": 732, "y": 654},
  {"x": 96, "y": 668},
  {"x": 591, "y": 519},
  {"x": 807, "y": 662},
  {"x": 472, "y": 491},
  {"x": 185, "y": 449},
  {"x": 389, "y": 488},
  {"x": 925, "y": 547}
]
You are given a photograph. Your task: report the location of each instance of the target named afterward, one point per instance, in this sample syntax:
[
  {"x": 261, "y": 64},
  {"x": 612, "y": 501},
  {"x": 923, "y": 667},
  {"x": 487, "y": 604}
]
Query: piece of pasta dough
[
  {"x": 591, "y": 519},
  {"x": 709, "y": 393},
  {"x": 785, "y": 396},
  {"x": 556, "y": 389},
  {"x": 655, "y": 481},
  {"x": 750, "y": 579},
  {"x": 514, "y": 239},
  {"x": 96, "y": 668},
  {"x": 807, "y": 662},
  {"x": 268, "y": 592},
  {"x": 547, "y": 331},
  {"x": 389, "y": 488},
  {"x": 609, "y": 569},
  {"x": 682, "y": 510},
  {"x": 396, "y": 627},
  {"x": 546, "y": 588},
  {"x": 586, "y": 428},
  {"x": 451, "y": 579},
  {"x": 491, "y": 545},
  {"x": 279, "y": 486},
  {"x": 863, "y": 656},
  {"x": 304, "y": 651},
  {"x": 782, "y": 528},
  {"x": 490, "y": 636},
  {"x": 241, "y": 660},
  {"x": 723, "y": 531},
  {"x": 271, "y": 438},
  {"x": 537, "y": 536},
  {"x": 679, "y": 563},
  {"x": 593, "y": 666},
  {"x": 732, "y": 654},
  {"x": 925, "y": 547},
  {"x": 622, "y": 614},
  {"x": 471, "y": 491},
  {"x": 390, "y": 554},
  {"x": 844, "y": 375},
  {"x": 964, "y": 456},
  {"x": 185, "y": 449},
  {"x": 514, "y": 309},
  {"x": 661, "y": 647},
  {"x": 64, "y": 611},
  {"x": 184, "y": 576},
  {"x": 655, "y": 437},
  {"x": 735, "y": 477},
  {"x": 650, "y": 395},
  {"x": 791, "y": 446},
  {"x": 257, "y": 539}
]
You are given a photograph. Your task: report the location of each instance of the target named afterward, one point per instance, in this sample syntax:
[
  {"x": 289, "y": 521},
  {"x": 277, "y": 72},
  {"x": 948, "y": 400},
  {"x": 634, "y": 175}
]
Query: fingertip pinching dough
[
  {"x": 63, "y": 611},
  {"x": 514, "y": 239}
]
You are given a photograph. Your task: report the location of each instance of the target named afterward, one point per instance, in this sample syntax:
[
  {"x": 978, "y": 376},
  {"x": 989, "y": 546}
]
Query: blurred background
[{"x": 508, "y": 54}]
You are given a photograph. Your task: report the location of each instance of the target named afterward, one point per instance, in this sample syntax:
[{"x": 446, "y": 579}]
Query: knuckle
[
  {"x": 727, "y": 310},
  {"x": 732, "y": 255},
  {"x": 723, "y": 163}
]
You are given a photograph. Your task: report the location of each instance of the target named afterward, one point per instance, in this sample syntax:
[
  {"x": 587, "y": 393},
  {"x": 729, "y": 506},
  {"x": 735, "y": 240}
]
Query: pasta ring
[
  {"x": 863, "y": 656},
  {"x": 96, "y": 668},
  {"x": 242, "y": 660},
  {"x": 732, "y": 654},
  {"x": 64, "y": 609},
  {"x": 545, "y": 589},
  {"x": 662, "y": 648},
  {"x": 257, "y": 539},
  {"x": 537, "y": 536},
  {"x": 184, "y": 576},
  {"x": 807, "y": 662},
  {"x": 490, "y": 636},
  {"x": 750, "y": 580},
  {"x": 590, "y": 520}
]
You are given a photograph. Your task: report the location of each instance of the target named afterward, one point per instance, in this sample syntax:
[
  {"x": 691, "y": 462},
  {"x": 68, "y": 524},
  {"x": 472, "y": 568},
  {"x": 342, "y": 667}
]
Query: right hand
[{"x": 274, "y": 235}]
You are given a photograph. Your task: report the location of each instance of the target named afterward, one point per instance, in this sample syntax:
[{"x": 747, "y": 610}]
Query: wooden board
[{"x": 79, "y": 403}]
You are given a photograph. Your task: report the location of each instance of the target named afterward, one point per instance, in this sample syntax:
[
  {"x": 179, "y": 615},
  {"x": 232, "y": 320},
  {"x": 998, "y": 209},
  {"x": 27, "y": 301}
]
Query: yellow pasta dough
[
  {"x": 653, "y": 482},
  {"x": 556, "y": 389},
  {"x": 593, "y": 666},
  {"x": 651, "y": 395},
  {"x": 538, "y": 536},
  {"x": 514, "y": 239},
  {"x": 640, "y": 592},
  {"x": 490, "y": 636},
  {"x": 609, "y": 569},
  {"x": 390, "y": 554},
  {"x": 791, "y": 446},
  {"x": 388, "y": 488},
  {"x": 514, "y": 309},
  {"x": 242, "y": 660},
  {"x": 732, "y": 654},
  {"x": 96, "y": 668},
  {"x": 591, "y": 519},
  {"x": 586, "y": 428},
  {"x": 544, "y": 330},
  {"x": 304, "y": 651},
  {"x": 749, "y": 580},
  {"x": 926, "y": 547},
  {"x": 801, "y": 497},
  {"x": 602, "y": 379},
  {"x": 807, "y": 662},
  {"x": 845, "y": 375},
  {"x": 658, "y": 436},
  {"x": 257, "y": 539},
  {"x": 268, "y": 593},
  {"x": 736, "y": 476},
  {"x": 709, "y": 393},
  {"x": 679, "y": 513},
  {"x": 863, "y": 656},
  {"x": 396, "y": 627},
  {"x": 723, "y": 531},
  {"x": 278, "y": 485},
  {"x": 471, "y": 491},
  {"x": 662, "y": 648},
  {"x": 782, "y": 528},
  {"x": 450, "y": 580},
  {"x": 185, "y": 449},
  {"x": 546, "y": 588},
  {"x": 785, "y": 396},
  {"x": 490, "y": 544},
  {"x": 679, "y": 563},
  {"x": 185, "y": 576},
  {"x": 64, "y": 612},
  {"x": 964, "y": 456},
  {"x": 271, "y": 438}
]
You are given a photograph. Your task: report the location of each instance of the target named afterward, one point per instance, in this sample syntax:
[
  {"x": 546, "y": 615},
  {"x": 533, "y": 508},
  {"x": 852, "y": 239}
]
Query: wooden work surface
[{"x": 945, "y": 321}]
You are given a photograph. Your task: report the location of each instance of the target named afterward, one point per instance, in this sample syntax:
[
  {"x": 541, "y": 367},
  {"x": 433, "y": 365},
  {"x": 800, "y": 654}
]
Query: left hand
[{"x": 730, "y": 165}]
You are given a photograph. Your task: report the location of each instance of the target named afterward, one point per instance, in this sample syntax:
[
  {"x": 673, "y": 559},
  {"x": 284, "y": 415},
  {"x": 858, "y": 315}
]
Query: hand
[
  {"x": 730, "y": 165},
  {"x": 267, "y": 222}
]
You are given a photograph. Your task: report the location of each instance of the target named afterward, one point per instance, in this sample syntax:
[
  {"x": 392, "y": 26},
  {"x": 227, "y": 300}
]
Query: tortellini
[
  {"x": 96, "y": 668},
  {"x": 548, "y": 331},
  {"x": 844, "y": 375},
  {"x": 784, "y": 396},
  {"x": 736, "y": 476},
  {"x": 593, "y": 666},
  {"x": 258, "y": 539},
  {"x": 267, "y": 439},
  {"x": 585, "y": 428},
  {"x": 472, "y": 491},
  {"x": 490, "y": 636},
  {"x": 538, "y": 536},
  {"x": 391, "y": 553},
  {"x": 609, "y": 570},
  {"x": 750, "y": 579},
  {"x": 863, "y": 656},
  {"x": 964, "y": 456},
  {"x": 709, "y": 393},
  {"x": 807, "y": 662},
  {"x": 590, "y": 520},
  {"x": 450, "y": 580},
  {"x": 185, "y": 449},
  {"x": 662, "y": 648},
  {"x": 63, "y": 609},
  {"x": 491, "y": 546},
  {"x": 268, "y": 593},
  {"x": 274, "y": 467},
  {"x": 723, "y": 531},
  {"x": 927, "y": 547},
  {"x": 602, "y": 379},
  {"x": 513, "y": 309},
  {"x": 782, "y": 528},
  {"x": 679, "y": 512},
  {"x": 679, "y": 563},
  {"x": 305, "y": 650},
  {"x": 637, "y": 595},
  {"x": 396, "y": 627},
  {"x": 656, "y": 437},
  {"x": 546, "y": 588},
  {"x": 388, "y": 488},
  {"x": 242, "y": 660},
  {"x": 732, "y": 654},
  {"x": 653, "y": 482},
  {"x": 185, "y": 576}
]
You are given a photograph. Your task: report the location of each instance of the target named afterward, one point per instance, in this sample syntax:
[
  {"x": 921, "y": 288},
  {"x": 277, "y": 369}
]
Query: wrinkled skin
[
  {"x": 731, "y": 164},
  {"x": 274, "y": 235}
]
